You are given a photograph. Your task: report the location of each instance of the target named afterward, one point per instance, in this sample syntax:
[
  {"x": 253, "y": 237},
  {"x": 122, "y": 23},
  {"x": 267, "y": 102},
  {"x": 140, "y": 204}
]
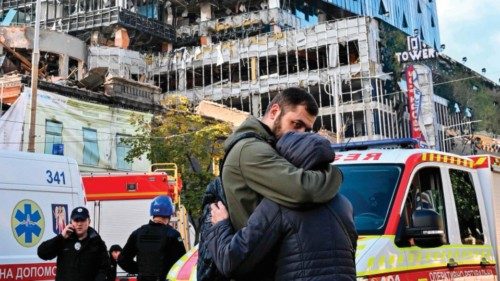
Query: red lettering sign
[
  {"x": 372, "y": 156},
  {"x": 351, "y": 157},
  {"x": 358, "y": 156},
  {"x": 29, "y": 271},
  {"x": 415, "y": 128}
]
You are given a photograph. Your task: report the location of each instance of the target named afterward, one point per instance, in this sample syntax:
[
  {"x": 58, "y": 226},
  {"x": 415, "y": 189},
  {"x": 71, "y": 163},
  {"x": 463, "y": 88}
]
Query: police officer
[
  {"x": 156, "y": 245},
  {"x": 81, "y": 253}
]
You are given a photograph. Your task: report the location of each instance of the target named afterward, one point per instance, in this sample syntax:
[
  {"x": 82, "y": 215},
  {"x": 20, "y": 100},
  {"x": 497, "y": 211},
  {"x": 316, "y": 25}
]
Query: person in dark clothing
[
  {"x": 317, "y": 243},
  {"x": 81, "y": 253},
  {"x": 114, "y": 253},
  {"x": 156, "y": 245}
]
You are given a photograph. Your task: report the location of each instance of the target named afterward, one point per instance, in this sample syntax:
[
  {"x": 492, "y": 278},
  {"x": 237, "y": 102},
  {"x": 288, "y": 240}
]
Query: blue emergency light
[{"x": 382, "y": 144}]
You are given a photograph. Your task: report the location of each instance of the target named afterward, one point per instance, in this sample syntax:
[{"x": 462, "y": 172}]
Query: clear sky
[{"x": 471, "y": 28}]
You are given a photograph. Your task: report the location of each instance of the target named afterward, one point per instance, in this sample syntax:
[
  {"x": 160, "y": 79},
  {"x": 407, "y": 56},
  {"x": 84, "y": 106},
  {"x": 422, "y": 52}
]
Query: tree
[{"x": 180, "y": 136}]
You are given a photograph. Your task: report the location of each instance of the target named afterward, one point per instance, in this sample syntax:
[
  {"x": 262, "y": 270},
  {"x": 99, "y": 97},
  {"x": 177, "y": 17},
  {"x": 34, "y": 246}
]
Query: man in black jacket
[
  {"x": 81, "y": 253},
  {"x": 318, "y": 243},
  {"x": 156, "y": 245}
]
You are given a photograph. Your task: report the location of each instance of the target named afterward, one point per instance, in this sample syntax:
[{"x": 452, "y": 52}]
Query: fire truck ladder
[{"x": 181, "y": 222}]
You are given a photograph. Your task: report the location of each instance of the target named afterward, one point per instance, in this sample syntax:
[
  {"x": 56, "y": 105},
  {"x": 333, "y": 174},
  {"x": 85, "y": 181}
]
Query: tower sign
[{"x": 417, "y": 50}]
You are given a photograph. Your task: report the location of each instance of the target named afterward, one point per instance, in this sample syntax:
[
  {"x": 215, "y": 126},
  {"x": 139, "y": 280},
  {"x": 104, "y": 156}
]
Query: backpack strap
[
  {"x": 239, "y": 137},
  {"x": 245, "y": 135}
]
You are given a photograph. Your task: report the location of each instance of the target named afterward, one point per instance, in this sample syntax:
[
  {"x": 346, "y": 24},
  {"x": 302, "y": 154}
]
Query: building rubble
[{"x": 237, "y": 54}]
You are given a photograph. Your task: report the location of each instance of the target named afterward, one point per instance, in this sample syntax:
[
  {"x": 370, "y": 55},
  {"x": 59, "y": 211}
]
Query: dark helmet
[{"x": 161, "y": 207}]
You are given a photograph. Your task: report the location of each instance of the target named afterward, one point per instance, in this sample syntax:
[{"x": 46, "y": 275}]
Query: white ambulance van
[
  {"x": 420, "y": 214},
  {"x": 37, "y": 194}
]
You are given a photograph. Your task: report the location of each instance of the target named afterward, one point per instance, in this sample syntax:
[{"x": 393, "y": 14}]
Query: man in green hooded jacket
[{"x": 253, "y": 169}]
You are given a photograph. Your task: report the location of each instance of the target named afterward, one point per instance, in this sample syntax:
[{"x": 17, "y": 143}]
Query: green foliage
[
  {"x": 468, "y": 90},
  {"x": 452, "y": 81},
  {"x": 182, "y": 137},
  {"x": 465, "y": 201},
  {"x": 464, "y": 195},
  {"x": 194, "y": 188},
  {"x": 392, "y": 41},
  {"x": 485, "y": 109}
]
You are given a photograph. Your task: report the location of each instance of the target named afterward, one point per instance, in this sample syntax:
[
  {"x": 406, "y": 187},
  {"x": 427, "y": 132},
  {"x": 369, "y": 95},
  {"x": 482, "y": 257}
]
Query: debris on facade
[{"x": 232, "y": 54}]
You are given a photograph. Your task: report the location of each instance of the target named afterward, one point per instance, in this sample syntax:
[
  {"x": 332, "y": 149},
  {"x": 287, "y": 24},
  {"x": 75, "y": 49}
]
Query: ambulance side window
[
  {"x": 426, "y": 192},
  {"x": 469, "y": 219}
]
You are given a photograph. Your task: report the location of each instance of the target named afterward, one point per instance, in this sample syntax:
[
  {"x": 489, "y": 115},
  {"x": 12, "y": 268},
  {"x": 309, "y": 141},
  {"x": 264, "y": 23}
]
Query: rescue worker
[
  {"x": 317, "y": 243},
  {"x": 156, "y": 245},
  {"x": 81, "y": 253},
  {"x": 114, "y": 252}
]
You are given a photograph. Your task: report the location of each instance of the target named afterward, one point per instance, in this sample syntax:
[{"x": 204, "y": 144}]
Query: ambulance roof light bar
[{"x": 383, "y": 144}]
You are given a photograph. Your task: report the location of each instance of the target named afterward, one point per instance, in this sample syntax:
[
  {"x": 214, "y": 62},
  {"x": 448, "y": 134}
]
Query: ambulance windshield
[{"x": 371, "y": 189}]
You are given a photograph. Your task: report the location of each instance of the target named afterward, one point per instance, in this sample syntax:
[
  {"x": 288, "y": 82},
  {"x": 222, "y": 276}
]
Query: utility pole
[
  {"x": 34, "y": 77},
  {"x": 1, "y": 99},
  {"x": 337, "y": 94}
]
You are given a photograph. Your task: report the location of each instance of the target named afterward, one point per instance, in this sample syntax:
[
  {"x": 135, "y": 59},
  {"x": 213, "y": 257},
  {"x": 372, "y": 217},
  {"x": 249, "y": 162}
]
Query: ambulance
[
  {"x": 420, "y": 214},
  {"x": 38, "y": 192}
]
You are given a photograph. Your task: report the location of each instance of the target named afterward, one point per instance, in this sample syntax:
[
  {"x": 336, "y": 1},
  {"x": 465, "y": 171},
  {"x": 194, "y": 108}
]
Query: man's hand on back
[{"x": 219, "y": 212}]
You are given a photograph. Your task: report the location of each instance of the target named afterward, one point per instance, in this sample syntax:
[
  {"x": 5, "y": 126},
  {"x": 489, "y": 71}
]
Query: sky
[{"x": 471, "y": 28}]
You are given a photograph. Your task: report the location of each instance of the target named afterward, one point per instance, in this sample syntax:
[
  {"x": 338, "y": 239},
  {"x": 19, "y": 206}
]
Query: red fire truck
[{"x": 119, "y": 202}]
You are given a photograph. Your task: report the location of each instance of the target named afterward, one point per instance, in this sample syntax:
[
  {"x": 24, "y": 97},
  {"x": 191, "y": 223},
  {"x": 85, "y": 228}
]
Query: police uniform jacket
[{"x": 77, "y": 260}]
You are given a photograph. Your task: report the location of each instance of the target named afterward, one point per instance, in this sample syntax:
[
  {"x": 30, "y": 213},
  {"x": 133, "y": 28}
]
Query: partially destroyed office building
[{"x": 241, "y": 53}]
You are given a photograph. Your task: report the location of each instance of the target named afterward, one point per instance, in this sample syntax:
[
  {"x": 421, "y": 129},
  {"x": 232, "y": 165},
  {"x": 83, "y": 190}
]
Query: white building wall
[{"x": 75, "y": 115}]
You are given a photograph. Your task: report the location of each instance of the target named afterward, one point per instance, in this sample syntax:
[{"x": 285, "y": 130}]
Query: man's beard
[{"x": 277, "y": 125}]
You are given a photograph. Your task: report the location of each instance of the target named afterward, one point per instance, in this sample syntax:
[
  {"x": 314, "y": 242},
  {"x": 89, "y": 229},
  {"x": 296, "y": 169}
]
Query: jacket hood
[
  {"x": 305, "y": 150},
  {"x": 251, "y": 124}
]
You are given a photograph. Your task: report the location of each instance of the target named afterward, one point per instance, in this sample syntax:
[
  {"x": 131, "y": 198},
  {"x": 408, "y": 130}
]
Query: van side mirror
[{"x": 427, "y": 229}]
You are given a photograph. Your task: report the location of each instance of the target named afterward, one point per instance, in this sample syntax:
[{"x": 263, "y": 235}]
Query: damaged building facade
[
  {"x": 237, "y": 53},
  {"x": 82, "y": 112},
  {"x": 248, "y": 52},
  {"x": 89, "y": 131}
]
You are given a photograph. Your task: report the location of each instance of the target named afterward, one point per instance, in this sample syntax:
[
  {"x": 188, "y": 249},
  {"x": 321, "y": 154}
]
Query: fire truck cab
[
  {"x": 119, "y": 202},
  {"x": 420, "y": 215}
]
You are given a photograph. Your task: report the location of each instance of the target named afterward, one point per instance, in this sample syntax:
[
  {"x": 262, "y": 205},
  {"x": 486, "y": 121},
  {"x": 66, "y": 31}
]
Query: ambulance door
[
  {"x": 425, "y": 256},
  {"x": 473, "y": 251}
]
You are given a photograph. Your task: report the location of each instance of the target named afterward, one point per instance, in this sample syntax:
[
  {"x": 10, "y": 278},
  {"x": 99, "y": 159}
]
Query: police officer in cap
[
  {"x": 81, "y": 253},
  {"x": 156, "y": 245}
]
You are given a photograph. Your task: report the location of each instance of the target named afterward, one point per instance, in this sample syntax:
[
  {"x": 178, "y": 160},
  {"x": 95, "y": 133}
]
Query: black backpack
[{"x": 206, "y": 268}]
